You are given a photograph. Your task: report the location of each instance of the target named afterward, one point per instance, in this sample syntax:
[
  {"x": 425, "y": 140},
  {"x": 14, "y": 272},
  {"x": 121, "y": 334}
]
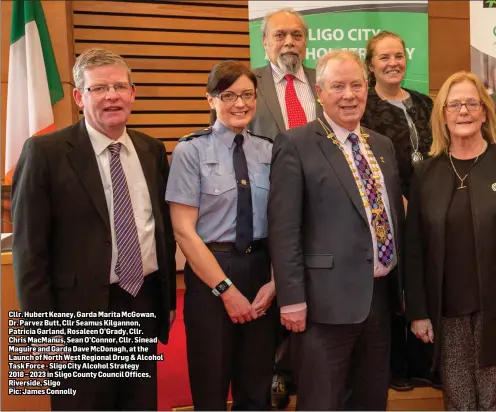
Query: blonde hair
[
  {"x": 440, "y": 134},
  {"x": 339, "y": 55},
  {"x": 94, "y": 58}
]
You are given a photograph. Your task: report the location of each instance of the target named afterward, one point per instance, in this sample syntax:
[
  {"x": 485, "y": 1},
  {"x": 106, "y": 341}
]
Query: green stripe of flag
[{"x": 23, "y": 12}]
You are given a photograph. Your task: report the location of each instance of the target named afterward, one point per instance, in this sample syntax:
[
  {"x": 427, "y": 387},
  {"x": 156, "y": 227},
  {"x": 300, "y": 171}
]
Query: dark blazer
[
  {"x": 62, "y": 240},
  {"x": 389, "y": 120},
  {"x": 268, "y": 120},
  {"x": 319, "y": 235},
  {"x": 432, "y": 189}
]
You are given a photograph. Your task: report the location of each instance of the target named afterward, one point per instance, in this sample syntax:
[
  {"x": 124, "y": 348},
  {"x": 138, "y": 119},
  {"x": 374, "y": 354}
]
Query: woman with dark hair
[
  {"x": 403, "y": 115},
  {"x": 217, "y": 190}
]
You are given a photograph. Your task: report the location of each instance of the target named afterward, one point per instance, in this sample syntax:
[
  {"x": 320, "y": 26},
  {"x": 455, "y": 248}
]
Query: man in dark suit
[
  {"x": 335, "y": 230},
  {"x": 92, "y": 234}
]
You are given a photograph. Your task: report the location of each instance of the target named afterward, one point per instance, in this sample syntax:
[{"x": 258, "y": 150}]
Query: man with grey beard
[{"x": 286, "y": 96}]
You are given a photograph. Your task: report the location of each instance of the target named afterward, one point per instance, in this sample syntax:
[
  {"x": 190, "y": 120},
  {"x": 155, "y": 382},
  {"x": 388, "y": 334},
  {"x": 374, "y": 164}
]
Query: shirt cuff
[{"x": 293, "y": 308}]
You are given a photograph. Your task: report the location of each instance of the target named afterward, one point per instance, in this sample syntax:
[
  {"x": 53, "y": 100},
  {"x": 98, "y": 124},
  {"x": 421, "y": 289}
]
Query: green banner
[{"x": 351, "y": 30}]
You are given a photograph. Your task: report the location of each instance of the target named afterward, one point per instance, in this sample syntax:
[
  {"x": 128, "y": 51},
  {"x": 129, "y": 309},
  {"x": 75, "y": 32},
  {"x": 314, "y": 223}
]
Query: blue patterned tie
[
  {"x": 386, "y": 249},
  {"x": 129, "y": 265}
]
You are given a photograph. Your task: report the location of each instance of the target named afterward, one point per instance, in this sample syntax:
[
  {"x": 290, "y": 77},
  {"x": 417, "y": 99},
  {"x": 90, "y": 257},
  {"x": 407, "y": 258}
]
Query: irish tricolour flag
[{"x": 34, "y": 81}]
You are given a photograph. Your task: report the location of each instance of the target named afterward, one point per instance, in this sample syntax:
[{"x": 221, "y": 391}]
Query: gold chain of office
[{"x": 378, "y": 221}]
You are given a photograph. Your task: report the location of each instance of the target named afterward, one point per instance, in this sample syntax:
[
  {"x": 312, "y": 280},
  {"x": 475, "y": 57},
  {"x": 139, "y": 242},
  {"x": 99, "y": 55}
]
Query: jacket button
[
  {"x": 107, "y": 243},
  {"x": 369, "y": 260}
]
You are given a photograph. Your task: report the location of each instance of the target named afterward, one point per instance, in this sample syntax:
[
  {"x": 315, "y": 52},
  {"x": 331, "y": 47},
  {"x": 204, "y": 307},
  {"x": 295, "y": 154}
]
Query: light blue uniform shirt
[{"x": 202, "y": 175}]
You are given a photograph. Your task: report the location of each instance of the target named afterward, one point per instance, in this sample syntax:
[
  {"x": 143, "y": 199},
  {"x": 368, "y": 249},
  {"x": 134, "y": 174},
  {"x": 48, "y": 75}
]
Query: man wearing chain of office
[{"x": 335, "y": 233}]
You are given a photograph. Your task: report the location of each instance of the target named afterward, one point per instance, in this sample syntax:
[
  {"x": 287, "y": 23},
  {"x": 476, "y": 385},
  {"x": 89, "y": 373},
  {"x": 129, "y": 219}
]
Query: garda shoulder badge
[
  {"x": 198, "y": 133},
  {"x": 261, "y": 137}
]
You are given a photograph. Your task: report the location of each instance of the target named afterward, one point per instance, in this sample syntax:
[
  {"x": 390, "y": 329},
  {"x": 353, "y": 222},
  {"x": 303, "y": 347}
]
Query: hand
[
  {"x": 422, "y": 329},
  {"x": 295, "y": 321},
  {"x": 237, "y": 306},
  {"x": 264, "y": 298},
  {"x": 172, "y": 318}
]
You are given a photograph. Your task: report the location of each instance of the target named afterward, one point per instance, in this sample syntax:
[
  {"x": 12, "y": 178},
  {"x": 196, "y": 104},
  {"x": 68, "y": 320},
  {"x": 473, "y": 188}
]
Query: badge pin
[
  {"x": 493, "y": 186},
  {"x": 382, "y": 159}
]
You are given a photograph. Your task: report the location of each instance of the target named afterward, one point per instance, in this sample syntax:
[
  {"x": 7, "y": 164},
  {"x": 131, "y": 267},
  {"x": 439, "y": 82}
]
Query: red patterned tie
[{"x": 294, "y": 109}]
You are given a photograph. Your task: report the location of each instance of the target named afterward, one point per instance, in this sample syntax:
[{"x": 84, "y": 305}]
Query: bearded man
[{"x": 286, "y": 96}]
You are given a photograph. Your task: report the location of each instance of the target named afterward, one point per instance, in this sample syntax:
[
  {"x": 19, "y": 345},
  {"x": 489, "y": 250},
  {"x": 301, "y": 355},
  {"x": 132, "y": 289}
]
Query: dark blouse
[
  {"x": 389, "y": 120},
  {"x": 460, "y": 280}
]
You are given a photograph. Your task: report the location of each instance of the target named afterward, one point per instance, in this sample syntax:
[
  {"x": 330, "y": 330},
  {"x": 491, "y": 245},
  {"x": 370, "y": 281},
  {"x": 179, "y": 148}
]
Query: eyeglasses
[
  {"x": 232, "y": 97},
  {"x": 456, "y": 106},
  {"x": 101, "y": 89}
]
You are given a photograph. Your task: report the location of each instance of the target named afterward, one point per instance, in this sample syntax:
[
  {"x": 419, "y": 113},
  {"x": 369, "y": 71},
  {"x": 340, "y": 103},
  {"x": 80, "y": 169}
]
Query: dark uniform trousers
[
  {"x": 127, "y": 393},
  {"x": 221, "y": 352},
  {"x": 347, "y": 366}
]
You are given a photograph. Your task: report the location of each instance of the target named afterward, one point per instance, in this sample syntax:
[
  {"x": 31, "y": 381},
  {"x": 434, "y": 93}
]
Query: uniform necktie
[
  {"x": 294, "y": 109},
  {"x": 129, "y": 265},
  {"x": 385, "y": 248},
  {"x": 244, "y": 217}
]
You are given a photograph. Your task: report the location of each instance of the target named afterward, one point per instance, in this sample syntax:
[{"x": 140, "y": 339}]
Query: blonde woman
[{"x": 450, "y": 274}]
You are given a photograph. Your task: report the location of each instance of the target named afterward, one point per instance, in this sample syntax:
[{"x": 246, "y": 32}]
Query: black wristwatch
[{"x": 222, "y": 287}]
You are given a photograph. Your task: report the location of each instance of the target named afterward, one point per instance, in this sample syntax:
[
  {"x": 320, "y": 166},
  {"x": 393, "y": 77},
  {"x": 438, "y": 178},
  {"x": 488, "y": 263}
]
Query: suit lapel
[
  {"x": 268, "y": 90},
  {"x": 83, "y": 160},
  {"x": 338, "y": 162},
  {"x": 149, "y": 167}
]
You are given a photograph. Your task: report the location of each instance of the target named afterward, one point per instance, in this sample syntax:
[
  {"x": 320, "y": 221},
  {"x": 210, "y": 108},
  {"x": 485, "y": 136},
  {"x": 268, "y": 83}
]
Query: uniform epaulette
[
  {"x": 198, "y": 133},
  {"x": 261, "y": 137}
]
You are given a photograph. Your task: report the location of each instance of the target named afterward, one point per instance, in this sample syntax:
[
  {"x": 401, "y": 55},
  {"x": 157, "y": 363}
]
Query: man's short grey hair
[
  {"x": 339, "y": 55},
  {"x": 96, "y": 57},
  {"x": 289, "y": 10}
]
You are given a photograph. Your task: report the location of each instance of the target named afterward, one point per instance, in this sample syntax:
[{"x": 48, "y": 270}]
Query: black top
[
  {"x": 389, "y": 120},
  {"x": 461, "y": 282}
]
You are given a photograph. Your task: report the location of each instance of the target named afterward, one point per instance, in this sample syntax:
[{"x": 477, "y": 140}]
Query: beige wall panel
[
  {"x": 170, "y": 78},
  {"x": 165, "y": 118},
  {"x": 169, "y": 50},
  {"x": 174, "y": 64},
  {"x": 159, "y": 22},
  {"x": 104, "y": 35},
  {"x": 161, "y": 9},
  {"x": 168, "y": 105}
]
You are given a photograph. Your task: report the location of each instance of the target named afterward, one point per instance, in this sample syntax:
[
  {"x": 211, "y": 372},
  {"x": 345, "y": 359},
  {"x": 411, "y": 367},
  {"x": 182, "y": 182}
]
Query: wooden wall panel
[
  {"x": 171, "y": 47},
  {"x": 449, "y": 40}
]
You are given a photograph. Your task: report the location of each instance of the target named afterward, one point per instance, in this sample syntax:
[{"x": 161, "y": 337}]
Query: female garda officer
[{"x": 217, "y": 190}]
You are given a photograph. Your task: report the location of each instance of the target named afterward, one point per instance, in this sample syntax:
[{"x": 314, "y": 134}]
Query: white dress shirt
[
  {"x": 379, "y": 268},
  {"x": 138, "y": 191},
  {"x": 303, "y": 91}
]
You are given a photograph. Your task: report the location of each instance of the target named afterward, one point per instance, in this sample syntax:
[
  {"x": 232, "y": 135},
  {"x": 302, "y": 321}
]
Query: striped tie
[{"x": 129, "y": 265}]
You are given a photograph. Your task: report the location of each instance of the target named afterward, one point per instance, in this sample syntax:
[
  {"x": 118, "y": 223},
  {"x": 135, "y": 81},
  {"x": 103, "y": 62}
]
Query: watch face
[{"x": 222, "y": 287}]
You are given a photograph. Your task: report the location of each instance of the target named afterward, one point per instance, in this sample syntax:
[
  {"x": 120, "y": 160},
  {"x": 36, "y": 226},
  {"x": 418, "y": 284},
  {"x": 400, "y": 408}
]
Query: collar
[
  {"x": 224, "y": 134},
  {"x": 100, "y": 142},
  {"x": 340, "y": 132},
  {"x": 278, "y": 74}
]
